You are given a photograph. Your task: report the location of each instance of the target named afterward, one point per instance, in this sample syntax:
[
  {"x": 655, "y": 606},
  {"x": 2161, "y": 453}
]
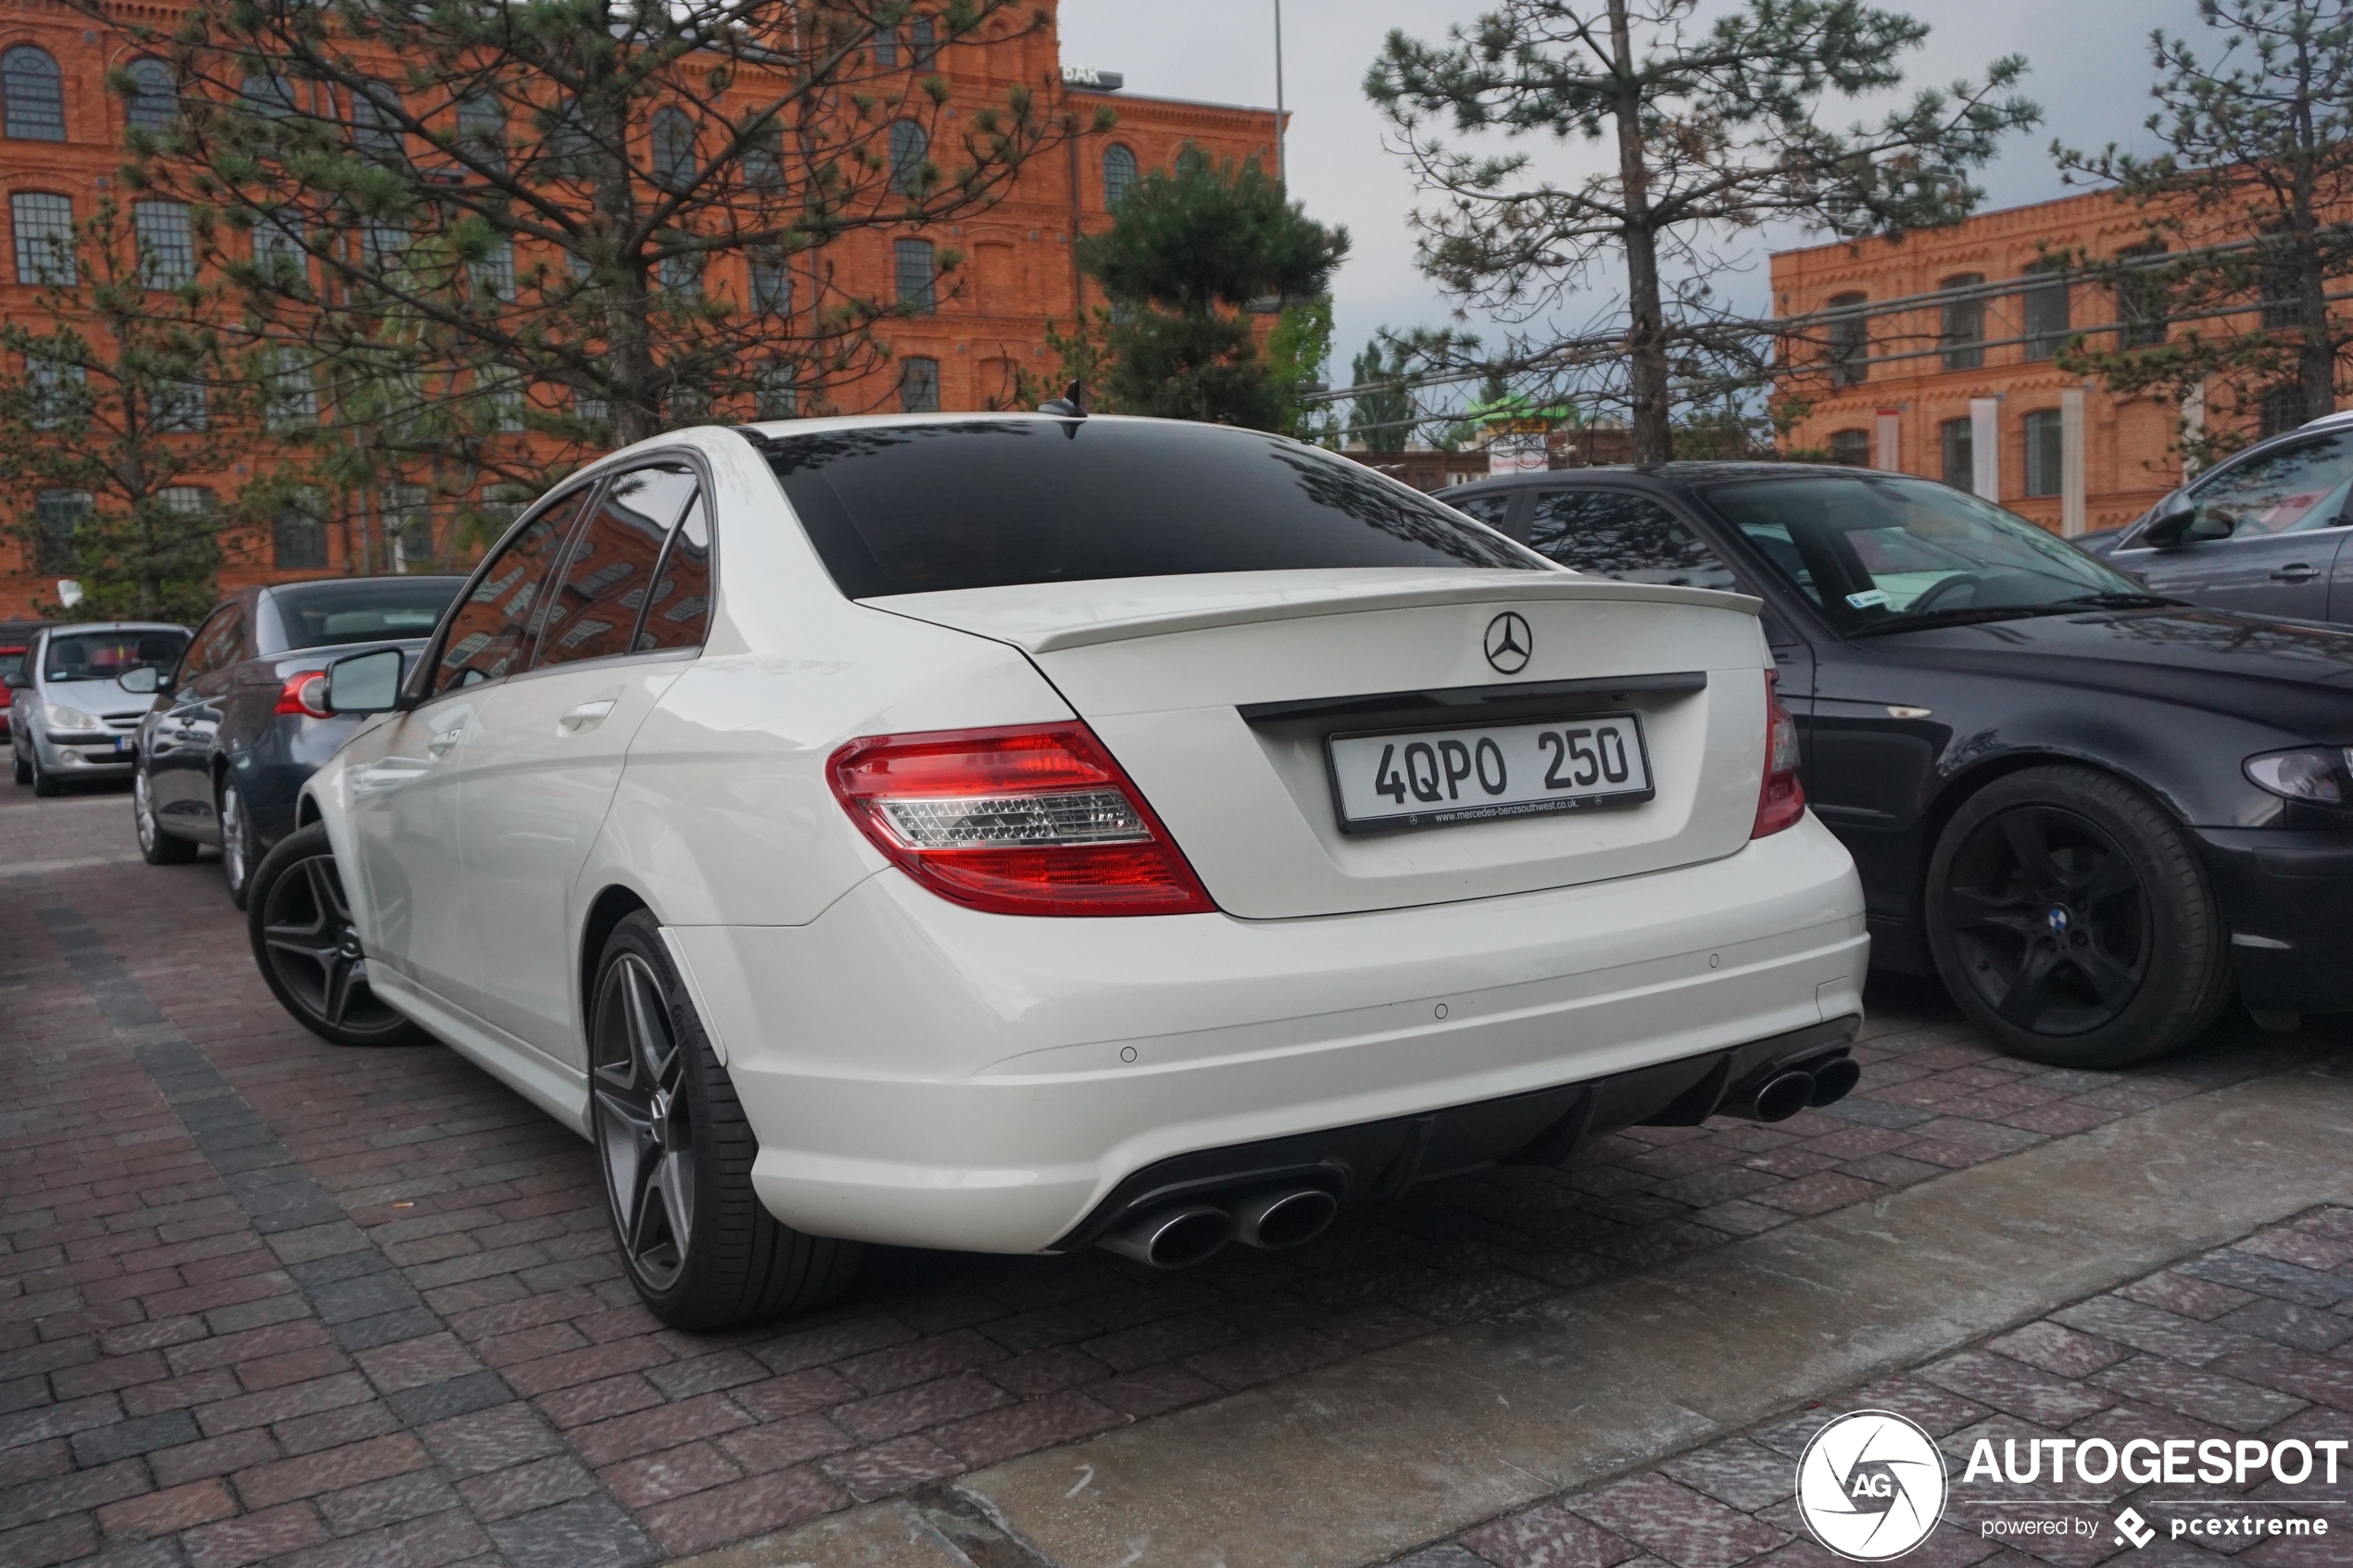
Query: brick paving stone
[
  {"x": 2203, "y": 1395},
  {"x": 1747, "y": 1476},
  {"x": 2192, "y": 1298},
  {"x": 885, "y": 1468},
  {"x": 1677, "y": 1523},
  {"x": 2018, "y": 1388},
  {"x": 1026, "y": 1427},
  {"x": 1546, "y": 1537},
  {"x": 2285, "y": 1323},
  {"x": 746, "y": 1508},
  {"x": 2058, "y": 1350},
  {"x": 2152, "y": 1329},
  {"x": 2269, "y": 1276}
]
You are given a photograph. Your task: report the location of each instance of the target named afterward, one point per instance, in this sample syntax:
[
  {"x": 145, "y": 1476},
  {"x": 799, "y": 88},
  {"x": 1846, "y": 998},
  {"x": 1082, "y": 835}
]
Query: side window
[
  {"x": 1493, "y": 509},
  {"x": 1614, "y": 534},
  {"x": 218, "y": 643},
  {"x": 678, "y": 615},
  {"x": 2285, "y": 492},
  {"x": 605, "y": 578},
  {"x": 488, "y": 635}
]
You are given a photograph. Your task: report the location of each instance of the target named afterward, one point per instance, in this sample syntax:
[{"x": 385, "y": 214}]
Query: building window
[
  {"x": 681, "y": 273},
  {"x": 154, "y": 100},
  {"x": 2283, "y": 285},
  {"x": 1119, "y": 173},
  {"x": 2282, "y": 409},
  {"x": 167, "y": 248},
  {"x": 33, "y": 95},
  {"x": 771, "y": 286},
  {"x": 776, "y": 394},
  {"x": 2044, "y": 452},
  {"x": 909, "y": 144},
  {"x": 2046, "y": 309},
  {"x": 919, "y": 387},
  {"x": 917, "y": 274},
  {"x": 1960, "y": 454},
  {"x": 44, "y": 225},
  {"x": 299, "y": 538},
  {"x": 290, "y": 399},
  {"x": 2141, "y": 297},
  {"x": 482, "y": 132},
  {"x": 277, "y": 243},
  {"x": 591, "y": 409},
  {"x": 189, "y": 500},
  {"x": 408, "y": 513},
  {"x": 383, "y": 247},
  {"x": 764, "y": 159},
  {"x": 673, "y": 149},
  {"x": 58, "y": 393},
  {"x": 375, "y": 123},
  {"x": 926, "y": 40},
  {"x": 887, "y": 47},
  {"x": 55, "y": 514},
  {"x": 1963, "y": 334},
  {"x": 1852, "y": 447},
  {"x": 1850, "y": 335},
  {"x": 494, "y": 273},
  {"x": 179, "y": 407}
]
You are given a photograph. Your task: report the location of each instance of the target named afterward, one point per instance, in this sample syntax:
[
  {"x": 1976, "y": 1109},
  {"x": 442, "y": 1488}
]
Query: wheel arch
[
  {"x": 613, "y": 904},
  {"x": 1956, "y": 790}
]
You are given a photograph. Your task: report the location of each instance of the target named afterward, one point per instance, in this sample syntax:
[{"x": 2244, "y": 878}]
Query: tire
[
  {"x": 23, "y": 769},
  {"x": 159, "y": 847},
  {"x": 237, "y": 846},
  {"x": 676, "y": 1154},
  {"x": 2071, "y": 921},
  {"x": 299, "y": 924},
  {"x": 45, "y": 783}
]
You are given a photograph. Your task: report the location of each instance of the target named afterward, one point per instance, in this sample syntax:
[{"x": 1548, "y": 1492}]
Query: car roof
[
  {"x": 1694, "y": 472},
  {"x": 113, "y": 626}
]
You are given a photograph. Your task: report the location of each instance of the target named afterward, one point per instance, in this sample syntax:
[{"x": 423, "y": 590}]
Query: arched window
[
  {"x": 1852, "y": 447},
  {"x": 376, "y": 122},
  {"x": 154, "y": 100},
  {"x": 1119, "y": 173},
  {"x": 764, "y": 159},
  {"x": 33, "y": 96},
  {"x": 673, "y": 149},
  {"x": 482, "y": 130},
  {"x": 270, "y": 98},
  {"x": 909, "y": 146}
]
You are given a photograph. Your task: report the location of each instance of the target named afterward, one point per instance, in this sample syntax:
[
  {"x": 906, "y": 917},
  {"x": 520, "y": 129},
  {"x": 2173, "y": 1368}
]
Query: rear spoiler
[{"x": 1047, "y": 617}]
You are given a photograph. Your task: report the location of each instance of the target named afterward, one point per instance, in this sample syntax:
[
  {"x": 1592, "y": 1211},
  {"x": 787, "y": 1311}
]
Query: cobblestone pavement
[
  {"x": 266, "y": 1299},
  {"x": 2253, "y": 1340}
]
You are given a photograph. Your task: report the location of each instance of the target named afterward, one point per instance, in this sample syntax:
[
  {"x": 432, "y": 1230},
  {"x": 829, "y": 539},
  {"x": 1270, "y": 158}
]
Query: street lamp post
[{"x": 1281, "y": 173}]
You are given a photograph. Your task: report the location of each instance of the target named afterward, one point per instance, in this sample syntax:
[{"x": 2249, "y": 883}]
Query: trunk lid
[{"x": 1218, "y": 693}]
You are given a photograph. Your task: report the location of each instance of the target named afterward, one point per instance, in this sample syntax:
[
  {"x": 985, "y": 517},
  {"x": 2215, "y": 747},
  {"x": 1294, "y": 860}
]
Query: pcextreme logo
[{"x": 1870, "y": 1485}]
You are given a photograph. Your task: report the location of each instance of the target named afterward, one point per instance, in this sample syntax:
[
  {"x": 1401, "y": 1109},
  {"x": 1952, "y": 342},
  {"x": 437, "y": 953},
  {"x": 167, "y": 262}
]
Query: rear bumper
[
  {"x": 922, "y": 1075},
  {"x": 2288, "y": 898}
]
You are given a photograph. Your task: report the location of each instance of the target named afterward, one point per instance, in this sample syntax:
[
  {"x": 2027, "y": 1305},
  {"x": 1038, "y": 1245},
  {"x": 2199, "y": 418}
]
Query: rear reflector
[
  {"x": 1782, "y": 801},
  {"x": 1020, "y": 820},
  {"x": 304, "y": 694}
]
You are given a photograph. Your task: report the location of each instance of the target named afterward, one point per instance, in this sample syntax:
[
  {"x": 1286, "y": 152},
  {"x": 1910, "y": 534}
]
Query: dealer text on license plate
[{"x": 1438, "y": 778}]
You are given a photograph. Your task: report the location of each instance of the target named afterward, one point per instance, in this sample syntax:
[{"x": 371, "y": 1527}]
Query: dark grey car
[
  {"x": 2263, "y": 534},
  {"x": 241, "y": 721}
]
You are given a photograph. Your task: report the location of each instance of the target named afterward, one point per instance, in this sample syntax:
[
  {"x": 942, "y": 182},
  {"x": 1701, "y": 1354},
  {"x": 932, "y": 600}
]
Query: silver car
[{"x": 69, "y": 715}]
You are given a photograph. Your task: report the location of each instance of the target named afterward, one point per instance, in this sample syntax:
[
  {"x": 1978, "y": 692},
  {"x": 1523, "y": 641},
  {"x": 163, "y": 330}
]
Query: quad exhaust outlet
[
  {"x": 1785, "y": 1092},
  {"x": 1180, "y": 1234}
]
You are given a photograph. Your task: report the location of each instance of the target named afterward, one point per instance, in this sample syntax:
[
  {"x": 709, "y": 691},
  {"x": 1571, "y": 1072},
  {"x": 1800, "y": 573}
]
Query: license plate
[
  {"x": 122, "y": 744},
  {"x": 1441, "y": 778}
]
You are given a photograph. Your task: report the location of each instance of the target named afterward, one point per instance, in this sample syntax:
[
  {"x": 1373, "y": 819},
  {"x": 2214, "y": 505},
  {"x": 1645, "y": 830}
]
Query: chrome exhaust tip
[
  {"x": 1176, "y": 1237},
  {"x": 1835, "y": 1079},
  {"x": 1783, "y": 1097},
  {"x": 1283, "y": 1217}
]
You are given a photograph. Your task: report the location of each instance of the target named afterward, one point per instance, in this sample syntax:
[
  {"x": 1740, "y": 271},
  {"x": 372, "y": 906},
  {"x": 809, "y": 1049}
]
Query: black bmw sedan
[
  {"x": 2093, "y": 810},
  {"x": 242, "y": 720}
]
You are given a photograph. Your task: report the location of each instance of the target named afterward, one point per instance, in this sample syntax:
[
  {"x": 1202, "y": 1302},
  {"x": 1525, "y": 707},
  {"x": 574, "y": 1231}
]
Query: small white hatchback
[{"x": 1027, "y": 833}]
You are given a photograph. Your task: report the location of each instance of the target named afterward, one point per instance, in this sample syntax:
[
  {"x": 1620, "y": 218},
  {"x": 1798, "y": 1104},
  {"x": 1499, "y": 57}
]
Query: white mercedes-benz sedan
[{"x": 1027, "y": 832}]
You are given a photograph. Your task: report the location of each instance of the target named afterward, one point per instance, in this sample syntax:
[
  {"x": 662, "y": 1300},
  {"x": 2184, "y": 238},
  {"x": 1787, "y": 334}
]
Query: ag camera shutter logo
[{"x": 1872, "y": 1485}]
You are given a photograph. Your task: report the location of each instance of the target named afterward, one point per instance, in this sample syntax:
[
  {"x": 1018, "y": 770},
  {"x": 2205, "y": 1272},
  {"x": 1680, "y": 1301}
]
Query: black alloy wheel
[
  {"x": 2070, "y": 919},
  {"x": 237, "y": 847},
  {"x": 676, "y": 1152},
  {"x": 159, "y": 847},
  {"x": 299, "y": 922}
]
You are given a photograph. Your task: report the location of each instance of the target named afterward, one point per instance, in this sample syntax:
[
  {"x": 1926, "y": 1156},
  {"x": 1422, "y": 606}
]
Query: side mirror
[
  {"x": 16, "y": 683},
  {"x": 143, "y": 681},
  {"x": 2183, "y": 521},
  {"x": 365, "y": 683}
]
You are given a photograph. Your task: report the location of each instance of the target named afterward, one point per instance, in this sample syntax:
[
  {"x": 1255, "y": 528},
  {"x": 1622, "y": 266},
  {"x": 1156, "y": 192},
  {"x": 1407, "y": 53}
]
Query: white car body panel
[{"x": 924, "y": 1073}]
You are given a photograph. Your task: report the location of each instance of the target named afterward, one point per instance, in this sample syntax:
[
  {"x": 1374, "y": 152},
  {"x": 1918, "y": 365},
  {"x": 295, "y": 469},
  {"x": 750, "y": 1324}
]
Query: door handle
[
  {"x": 585, "y": 716},
  {"x": 440, "y": 745},
  {"x": 2296, "y": 572}
]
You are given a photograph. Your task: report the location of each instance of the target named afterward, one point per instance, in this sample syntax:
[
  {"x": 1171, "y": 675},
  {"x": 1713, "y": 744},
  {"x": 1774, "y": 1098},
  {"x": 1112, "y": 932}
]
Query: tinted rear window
[
  {"x": 379, "y": 610},
  {"x": 920, "y": 508}
]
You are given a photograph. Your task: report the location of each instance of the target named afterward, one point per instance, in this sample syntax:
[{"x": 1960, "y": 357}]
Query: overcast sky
[{"x": 2090, "y": 71}]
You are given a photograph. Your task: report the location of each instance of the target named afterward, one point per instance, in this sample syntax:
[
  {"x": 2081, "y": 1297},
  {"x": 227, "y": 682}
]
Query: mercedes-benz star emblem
[{"x": 1509, "y": 643}]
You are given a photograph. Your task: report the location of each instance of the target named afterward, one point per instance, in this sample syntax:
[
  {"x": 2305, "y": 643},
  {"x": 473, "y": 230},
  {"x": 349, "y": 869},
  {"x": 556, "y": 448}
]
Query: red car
[{"x": 11, "y": 663}]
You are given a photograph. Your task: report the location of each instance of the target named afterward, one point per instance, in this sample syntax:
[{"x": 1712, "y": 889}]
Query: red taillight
[
  {"x": 1024, "y": 821},
  {"x": 304, "y": 694},
  {"x": 1783, "y": 800}
]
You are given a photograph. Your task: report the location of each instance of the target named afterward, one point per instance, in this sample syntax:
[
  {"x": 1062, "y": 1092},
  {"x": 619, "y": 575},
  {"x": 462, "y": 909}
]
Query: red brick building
[
  {"x": 61, "y": 131},
  {"x": 1945, "y": 347}
]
